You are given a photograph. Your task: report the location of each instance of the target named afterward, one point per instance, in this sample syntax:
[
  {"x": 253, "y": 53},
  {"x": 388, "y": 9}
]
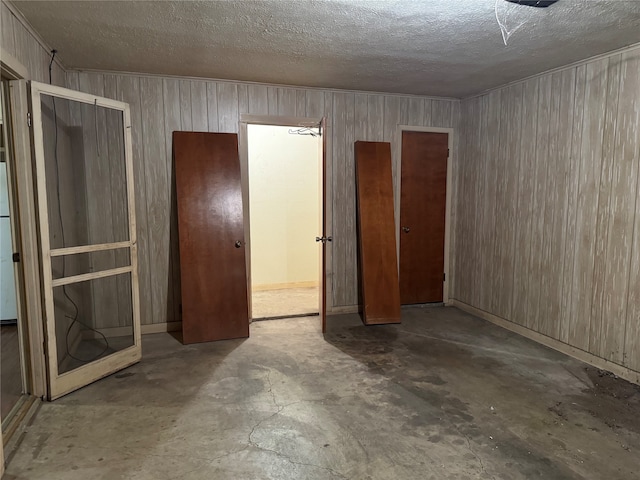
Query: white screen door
[{"x": 88, "y": 238}]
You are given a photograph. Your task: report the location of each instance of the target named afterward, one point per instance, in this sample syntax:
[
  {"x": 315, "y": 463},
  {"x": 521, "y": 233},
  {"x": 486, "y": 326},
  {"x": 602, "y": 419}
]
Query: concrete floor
[{"x": 442, "y": 396}]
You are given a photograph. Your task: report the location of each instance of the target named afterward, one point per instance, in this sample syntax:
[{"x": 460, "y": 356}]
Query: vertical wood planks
[
  {"x": 596, "y": 340},
  {"x": 415, "y": 116},
  {"x": 199, "y": 114},
  {"x": 477, "y": 207},
  {"x": 464, "y": 224},
  {"x": 119, "y": 204},
  {"x": 314, "y": 104},
  {"x": 630, "y": 132},
  {"x": 552, "y": 216},
  {"x": 100, "y": 227},
  {"x": 361, "y": 117},
  {"x": 172, "y": 122},
  {"x": 158, "y": 198},
  {"x": 621, "y": 212},
  {"x": 344, "y": 231},
  {"x": 482, "y": 213},
  {"x": 258, "y": 99},
  {"x": 227, "y": 107},
  {"x": 524, "y": 202},
  {"x": 7, "y": 38},
  {"x": 454, "y": 161},
  {"x": 395, "y": 113},
  {"x": 506, "y": 190},
  {"x": 301, "y": 103},
  {"x": 575, "y": 205},
  {"x": 588, "y": 185},
  {"x": 492, "y": 174},
  {"x": 185, "y": 105},
  {"x": 569, "y": 322},
  {"x": 375, "y": 118},
  {"x": 243, "y": 103},
  {"x": 538, "y": 230},
  {"x": 441, "y": 113},
  {"x": 286, "y": 102},
  {"x": 564, "y": 164},
  {"x": 128, "y": 89},
  {"x": 171, "y": 104},
  {"x": 212, "y": 106}
]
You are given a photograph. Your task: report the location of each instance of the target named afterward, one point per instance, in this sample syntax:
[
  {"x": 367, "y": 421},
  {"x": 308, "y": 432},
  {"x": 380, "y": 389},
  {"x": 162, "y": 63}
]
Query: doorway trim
[
  {"x": 30, "y": 303},
  {"x": 398, "y": 185},
  {"x": 243, "y": 141},
  {"x": 28, "y": 280}
]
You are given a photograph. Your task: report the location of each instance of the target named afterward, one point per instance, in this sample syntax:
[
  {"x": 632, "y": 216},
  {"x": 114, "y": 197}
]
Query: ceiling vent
[{"x": 534, "y": 3}]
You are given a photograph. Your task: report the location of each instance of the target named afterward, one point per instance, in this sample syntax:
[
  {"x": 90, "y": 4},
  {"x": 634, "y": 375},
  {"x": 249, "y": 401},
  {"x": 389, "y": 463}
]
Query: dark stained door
[
  {"x": 323, "y": 227},
  {"x": 211, "y": 234},
  {"x": 423, "y": 194},
  {"x": 376, "y": 233}
]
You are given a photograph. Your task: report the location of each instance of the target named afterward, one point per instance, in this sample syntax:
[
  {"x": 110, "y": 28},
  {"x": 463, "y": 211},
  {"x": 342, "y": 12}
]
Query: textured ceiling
[{"x": 431, "y": 47}]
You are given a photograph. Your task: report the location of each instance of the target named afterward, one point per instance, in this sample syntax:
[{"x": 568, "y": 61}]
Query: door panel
[
  {"x": 84, "y": 173},
  {"x": 211, "y": 235},
  {"x": 376, "y": 233},
  {"x": 422, "y": 216},
  {"x": 323, "y": 226}
]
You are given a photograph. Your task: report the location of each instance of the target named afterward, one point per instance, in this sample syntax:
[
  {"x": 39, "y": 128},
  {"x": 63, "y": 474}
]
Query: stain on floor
[{"x": 444, "y": 395}]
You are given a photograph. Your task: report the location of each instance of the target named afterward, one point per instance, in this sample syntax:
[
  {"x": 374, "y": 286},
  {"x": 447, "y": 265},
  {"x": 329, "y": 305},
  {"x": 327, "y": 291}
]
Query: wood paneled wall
[
  {"x": 161, "y": 105},
  {"x": 547, "y": 233},
  {"x": 17, "y": 40}
]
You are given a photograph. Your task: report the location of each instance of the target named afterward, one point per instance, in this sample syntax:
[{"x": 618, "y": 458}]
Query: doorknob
[
  {"x": 323, "y": 239},
  {"x": 406, "y": 229},
  {"x": 238, "y": 244}
]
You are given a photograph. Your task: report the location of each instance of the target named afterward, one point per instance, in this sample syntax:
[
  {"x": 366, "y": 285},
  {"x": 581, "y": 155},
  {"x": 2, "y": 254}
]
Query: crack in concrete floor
[{"x": 388, "y": 403}]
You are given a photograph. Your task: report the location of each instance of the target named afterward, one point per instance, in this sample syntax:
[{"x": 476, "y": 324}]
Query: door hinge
[
  {"x": 324, "y": 239},
  {"x": 448, "y": 153},
  {"x": 29, "y": 119},
  {"x": 16, "y": 257},
  {"x": 444, "y": 277}
]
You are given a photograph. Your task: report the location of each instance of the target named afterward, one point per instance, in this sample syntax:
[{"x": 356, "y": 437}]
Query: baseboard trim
[
  {"x": 344, "y": 309},
  {"x": 176, "y": 326},
  {"x": 586, "y": 357},
  {"x": 160, "y": 327}
]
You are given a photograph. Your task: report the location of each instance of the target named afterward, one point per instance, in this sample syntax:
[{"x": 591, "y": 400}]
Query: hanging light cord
[{"x": 74, "y": 317}]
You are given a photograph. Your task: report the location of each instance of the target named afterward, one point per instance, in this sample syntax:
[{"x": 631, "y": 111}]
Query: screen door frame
[{"x": 61, "y": 384}]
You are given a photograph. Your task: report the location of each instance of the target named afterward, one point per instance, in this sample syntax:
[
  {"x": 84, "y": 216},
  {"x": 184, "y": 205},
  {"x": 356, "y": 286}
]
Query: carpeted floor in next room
[{"x": 445, "y": 395}]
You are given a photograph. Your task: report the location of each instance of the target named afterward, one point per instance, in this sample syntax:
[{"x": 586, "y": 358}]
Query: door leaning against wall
[{"x": 86, "y": 214}]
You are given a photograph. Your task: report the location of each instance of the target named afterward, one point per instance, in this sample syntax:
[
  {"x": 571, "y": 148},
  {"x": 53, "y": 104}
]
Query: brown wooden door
[
  {"x": 211, "y": 233},
  {"x": 422, "y": 216},
  {"x": 323, "y": 226},
  {"x": 376, "y": 233}
]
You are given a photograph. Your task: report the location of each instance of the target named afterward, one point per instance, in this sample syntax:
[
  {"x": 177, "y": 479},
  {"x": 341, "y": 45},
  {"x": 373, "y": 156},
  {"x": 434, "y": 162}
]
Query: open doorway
[
  {"x": 11, "y": 362},
  {"x": 285, "y": 195}
]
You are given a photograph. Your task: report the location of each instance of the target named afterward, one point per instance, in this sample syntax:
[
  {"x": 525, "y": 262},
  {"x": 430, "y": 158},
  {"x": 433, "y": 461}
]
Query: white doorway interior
[{"x": 285, "y": 219}]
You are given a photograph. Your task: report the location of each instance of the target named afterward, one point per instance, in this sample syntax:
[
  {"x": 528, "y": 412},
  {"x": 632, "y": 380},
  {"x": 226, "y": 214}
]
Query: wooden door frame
[
  {"x": 30, "y": 308},
  {"x": 243, "y": 141},
  {"x": 28, "y": 284},
  {"x": 397, "y": 197}
]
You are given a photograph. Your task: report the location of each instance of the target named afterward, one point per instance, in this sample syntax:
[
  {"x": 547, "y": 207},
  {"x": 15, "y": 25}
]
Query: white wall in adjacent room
[{"x": 284, "y": 203}]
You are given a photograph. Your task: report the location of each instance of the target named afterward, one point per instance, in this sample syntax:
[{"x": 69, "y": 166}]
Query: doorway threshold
[{"x": 281, "y": 317}]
